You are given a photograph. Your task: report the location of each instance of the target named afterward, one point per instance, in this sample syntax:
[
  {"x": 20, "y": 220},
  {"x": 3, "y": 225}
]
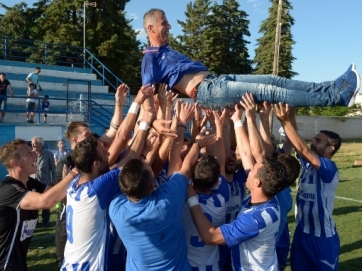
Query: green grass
[{"x": 347, "y": 215}]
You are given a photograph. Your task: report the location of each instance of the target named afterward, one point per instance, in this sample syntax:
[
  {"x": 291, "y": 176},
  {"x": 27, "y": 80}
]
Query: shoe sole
[{"x": 358, "y": 86}]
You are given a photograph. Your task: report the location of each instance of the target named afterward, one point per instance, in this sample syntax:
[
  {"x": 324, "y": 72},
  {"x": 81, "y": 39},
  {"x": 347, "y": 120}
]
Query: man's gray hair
[
  {"x": 150, "y": 17},
  {"x": 38, "y": 139}
]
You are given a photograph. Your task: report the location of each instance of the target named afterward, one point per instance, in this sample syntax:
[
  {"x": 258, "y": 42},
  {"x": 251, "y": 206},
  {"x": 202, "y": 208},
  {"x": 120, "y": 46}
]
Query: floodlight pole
[{"x": 91, "y": 4}]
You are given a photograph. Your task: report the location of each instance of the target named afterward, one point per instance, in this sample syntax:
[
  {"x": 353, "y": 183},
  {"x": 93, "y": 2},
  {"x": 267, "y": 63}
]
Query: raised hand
[
  {"x": 121, "y": 94},
  {"x": 143, "y": 93},
  {"x": 237, "y": 113},
  {"x": 249, "y": 105},
  {"x": 187, "y": 113},
  {"x": 281, "y": 111}
]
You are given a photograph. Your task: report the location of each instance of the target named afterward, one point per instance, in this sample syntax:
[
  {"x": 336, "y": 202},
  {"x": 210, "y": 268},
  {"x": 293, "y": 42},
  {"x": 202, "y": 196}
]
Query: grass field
[{"x": 347, "y": 214}]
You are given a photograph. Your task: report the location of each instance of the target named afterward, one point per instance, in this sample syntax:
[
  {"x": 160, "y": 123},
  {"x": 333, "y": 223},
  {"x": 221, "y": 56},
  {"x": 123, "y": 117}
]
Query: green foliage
[
  {"x": 324, "y": 111},
  {"x": 264, "y": 54},
  {"x": 109, "y": 35},
  {"x": 214, "y": 35}
]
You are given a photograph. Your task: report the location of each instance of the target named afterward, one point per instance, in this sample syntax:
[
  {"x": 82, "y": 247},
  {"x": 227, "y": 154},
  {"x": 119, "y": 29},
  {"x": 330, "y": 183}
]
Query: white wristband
[
  {"x": 143, "y": 126},
  {"x": 192, "y": 201},
  {"x": 134, "y": 108},
  {"x": 238, "y": 123}
]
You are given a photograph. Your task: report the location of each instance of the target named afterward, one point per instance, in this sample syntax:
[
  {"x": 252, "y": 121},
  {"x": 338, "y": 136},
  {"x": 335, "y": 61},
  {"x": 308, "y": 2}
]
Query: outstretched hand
[
  {"x": 143, "y": 93},
  {"x": 121, "y": 94},
  {"x": 237, "y": 113},
  {"x": 249, "y": 105},
  {"x": 281, "y": 111},
  {"x": 159, "y": 126},
  {"x": 205, "y": 140},
  {"x": 264, "y": 110}
]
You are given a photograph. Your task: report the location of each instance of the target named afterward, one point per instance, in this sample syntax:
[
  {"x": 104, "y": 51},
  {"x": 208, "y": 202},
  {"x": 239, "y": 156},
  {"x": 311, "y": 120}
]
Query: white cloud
[{"x": 142, "y": 36}]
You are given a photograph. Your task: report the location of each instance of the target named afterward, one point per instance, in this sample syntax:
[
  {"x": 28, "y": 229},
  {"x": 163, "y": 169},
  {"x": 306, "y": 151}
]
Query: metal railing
[{"x": 33, "y": 51}]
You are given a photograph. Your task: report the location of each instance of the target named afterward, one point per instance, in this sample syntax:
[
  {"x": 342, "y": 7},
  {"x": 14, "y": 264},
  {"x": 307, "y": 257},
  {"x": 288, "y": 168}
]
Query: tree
[
  {"x": 226, "y": 51},
  {"x": 264, "y": 54},
  {"x": 214, "y": 35}
]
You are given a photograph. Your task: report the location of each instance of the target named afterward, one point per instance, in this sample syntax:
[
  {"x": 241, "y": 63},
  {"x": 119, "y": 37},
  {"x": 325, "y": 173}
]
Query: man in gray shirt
[{"x": 45, "y": 169}]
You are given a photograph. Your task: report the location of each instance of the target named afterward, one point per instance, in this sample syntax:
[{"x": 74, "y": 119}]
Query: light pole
[
  {"x": 90, "y": 4},
  {"x": 276, "y": 53}
]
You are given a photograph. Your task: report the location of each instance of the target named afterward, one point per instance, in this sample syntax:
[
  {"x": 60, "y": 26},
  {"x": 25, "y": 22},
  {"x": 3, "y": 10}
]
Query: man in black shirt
[
  {"x": 4, "y": 83},
  {"x": 20, "y": 199}
]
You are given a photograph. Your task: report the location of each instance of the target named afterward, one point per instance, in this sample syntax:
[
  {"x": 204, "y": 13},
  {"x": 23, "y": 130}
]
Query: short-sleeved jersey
[
  {"x": 315, "y": 198},
  {"x": 252, "y": 236},
  {"x": 16, "y": 225},
  {"x": 45, "y": 105},
  {"x": 33, "y": 77},
  {"x": 151, "y": 229},
  {"x": 88, "y": 223},
  {"x": 164, "y": 65},
  {"x": 204, "y": 257},
  {"x": 3, "y": 85},
  {"x": 237, "y": 194}
]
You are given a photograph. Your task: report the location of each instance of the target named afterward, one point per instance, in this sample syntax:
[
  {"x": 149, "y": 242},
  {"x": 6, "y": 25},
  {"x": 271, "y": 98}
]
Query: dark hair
[
  {"x": 72, "y": 129},
  {"x": 85, "y": 153},
  {"x": 135, "y": 181},
  {"x": 3, "y": 74},
  {"x": 10, "y": 151},
  {"x": 333, "y": 139},
  {"x": 272, "y": 175},
  {"x": 206, "y": 173},
  {"x": 31, "y": 84},
  {"x": 292, "y": 166},
  {"x": 46, "y": 96},
  {"x": 37, "y": 68}
]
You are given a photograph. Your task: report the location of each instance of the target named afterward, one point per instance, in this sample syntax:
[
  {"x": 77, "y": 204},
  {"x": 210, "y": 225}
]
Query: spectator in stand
[
  {"x": 45, "y": 169},
  {"x": 31, "y": 103},
  {"x": 45, "y": 104},
  {"x": 33, "y": 77},
  {"x": 61, "y": 152},
  {"x": 20, "y": 199},
  {"x": 4, "y": 83}
]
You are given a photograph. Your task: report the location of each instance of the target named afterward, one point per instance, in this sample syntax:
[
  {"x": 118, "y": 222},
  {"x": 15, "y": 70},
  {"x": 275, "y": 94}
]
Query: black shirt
[
  {"x": 3, "y": 86},
  {"x": 16, "y": 225}
]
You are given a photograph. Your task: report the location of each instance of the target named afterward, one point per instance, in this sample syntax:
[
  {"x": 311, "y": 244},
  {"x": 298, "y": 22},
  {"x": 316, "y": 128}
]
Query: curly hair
[
  {"x": 273, "y": 176},
  {"x": 85, "y": 153},
  {"x": 291, "y": 164},
  {"x": 206, "y": 173},
  {"x": 135, "y": 181},
  {"x": 10, "y": 151}
]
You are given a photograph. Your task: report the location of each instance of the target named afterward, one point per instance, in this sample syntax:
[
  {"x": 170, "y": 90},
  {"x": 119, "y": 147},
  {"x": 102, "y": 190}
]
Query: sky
[{"x": 327, "y": 32}]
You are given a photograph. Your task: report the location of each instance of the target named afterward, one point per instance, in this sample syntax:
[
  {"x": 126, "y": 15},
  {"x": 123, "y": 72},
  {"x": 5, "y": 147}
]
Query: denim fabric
[{"x": 218, "y": 91}]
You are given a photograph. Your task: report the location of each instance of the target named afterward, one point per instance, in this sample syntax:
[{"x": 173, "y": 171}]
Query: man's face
[
  {"x": 230, "y": 165},
  {"x": 251, "y": 180},
  {"x": 161, "y": 28},
  {"x": 2, "y": 77},
  {"x": 27, "y": 160},
  {"x": 61, "y": 145},
  {"x": 103, "y": 166},
  {"x": 36, "y": 146},
  {"x": 320, "y": 145},
  {"x": 37, "y": 71}
]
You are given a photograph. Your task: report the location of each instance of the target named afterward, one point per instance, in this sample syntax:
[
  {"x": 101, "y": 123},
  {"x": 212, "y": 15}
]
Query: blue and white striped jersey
[
  {"x": 237, "y": 194},
  {"x": 88, "y": 223},
  {"x": 252, "y": 236},
  {"x": 206, "y": 257},
  {"x": 315, "y": 198}
]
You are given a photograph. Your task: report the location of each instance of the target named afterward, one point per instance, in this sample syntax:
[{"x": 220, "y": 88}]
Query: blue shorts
[
  {"x": 310, "y": 252},
  {"x": 3, "y": 103}
]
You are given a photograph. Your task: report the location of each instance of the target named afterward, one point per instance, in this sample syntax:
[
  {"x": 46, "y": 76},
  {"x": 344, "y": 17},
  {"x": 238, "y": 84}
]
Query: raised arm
[
  {"x": 242, "y": 139},
  {"x": 48, "y": 199},
  {"x": 256, "y": 144},
  {"x": 120, "y": 99},
  {"x": 282, "y": 113},
  {"x": 264, "y": 113},
  {"x": 125, "y": 129}
]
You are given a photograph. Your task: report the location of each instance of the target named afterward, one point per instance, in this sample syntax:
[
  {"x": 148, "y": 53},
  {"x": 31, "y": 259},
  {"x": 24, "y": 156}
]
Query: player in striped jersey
[
  {"x": 212, "y": 194},
  {"x": 316, "y": 242}
]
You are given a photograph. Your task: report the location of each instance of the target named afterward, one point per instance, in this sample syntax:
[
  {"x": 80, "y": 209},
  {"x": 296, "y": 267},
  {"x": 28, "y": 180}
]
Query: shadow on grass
[
  {"x": 346, "y": 210},
  {"x": 352, "y": 264},
  {"x": 350, "y": 247}
]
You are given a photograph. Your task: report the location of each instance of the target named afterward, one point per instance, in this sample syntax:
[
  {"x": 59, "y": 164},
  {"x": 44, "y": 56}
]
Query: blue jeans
[{"x": 218, "y": 91}]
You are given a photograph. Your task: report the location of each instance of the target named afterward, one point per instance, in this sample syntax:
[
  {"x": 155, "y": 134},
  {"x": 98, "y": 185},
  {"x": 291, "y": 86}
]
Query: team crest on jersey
[{"x": 28, "y": 229}]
